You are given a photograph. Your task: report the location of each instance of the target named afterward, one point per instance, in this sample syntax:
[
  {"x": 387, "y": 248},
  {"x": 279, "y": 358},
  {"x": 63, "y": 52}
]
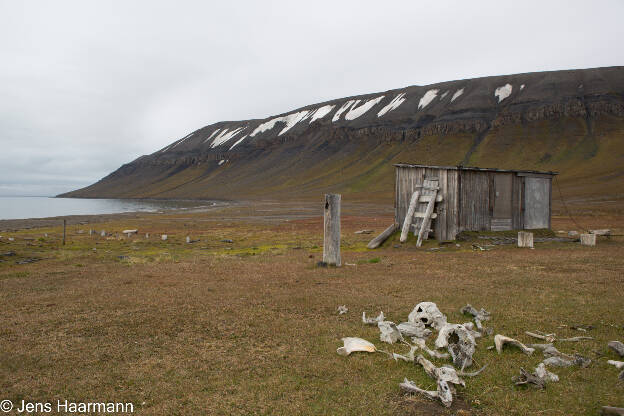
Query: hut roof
[{"x": 460, "y": 167}]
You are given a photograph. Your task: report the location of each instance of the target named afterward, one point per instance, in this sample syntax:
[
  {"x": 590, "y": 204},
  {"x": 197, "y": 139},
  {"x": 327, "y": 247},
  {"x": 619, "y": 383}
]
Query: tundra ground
[{"x": 250, "y": 326}]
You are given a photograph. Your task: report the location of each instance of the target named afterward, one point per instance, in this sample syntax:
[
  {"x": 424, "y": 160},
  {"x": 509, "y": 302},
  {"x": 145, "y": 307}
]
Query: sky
[{"x": 86, "y": 86}]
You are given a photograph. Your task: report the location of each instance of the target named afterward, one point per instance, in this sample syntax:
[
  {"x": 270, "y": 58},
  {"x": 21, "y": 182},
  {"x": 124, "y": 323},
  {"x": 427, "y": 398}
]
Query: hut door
[
  {"x": 536, "y": 203},
  {"x": 501, "y": 218}
]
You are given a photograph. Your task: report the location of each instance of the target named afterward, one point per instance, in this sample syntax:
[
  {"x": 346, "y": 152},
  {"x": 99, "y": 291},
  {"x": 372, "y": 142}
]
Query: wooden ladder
[{"x": 420, "y": 211}]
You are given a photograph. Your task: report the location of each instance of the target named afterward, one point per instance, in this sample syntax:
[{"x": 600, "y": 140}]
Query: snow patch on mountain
[
  {"x": 290, "y": 120},
  {"x": 344, "y": 108},
  {"x": 457, "y": 94},
  {"x": 396, "y": 101},
  {"x": 357, "y": 112},
  {"x": 503, "y": 92},
  {"x": 427, "y": 98},
  {"x": 238, "y": 141},
  {"x": 224, "y": 136},
  {"x": 321, "y": 112}
]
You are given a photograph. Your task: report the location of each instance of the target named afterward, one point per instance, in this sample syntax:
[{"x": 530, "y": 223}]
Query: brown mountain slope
[{"x": 566, "y": 121}]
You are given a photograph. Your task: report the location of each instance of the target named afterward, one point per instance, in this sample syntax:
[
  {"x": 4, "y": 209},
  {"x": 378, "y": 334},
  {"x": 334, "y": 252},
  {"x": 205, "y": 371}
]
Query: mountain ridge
[{"x": 559, "y": 118}]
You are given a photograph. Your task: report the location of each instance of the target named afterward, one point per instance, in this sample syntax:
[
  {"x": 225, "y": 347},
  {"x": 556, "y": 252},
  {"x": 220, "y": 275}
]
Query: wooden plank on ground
[{"x": 409, "y": 217}]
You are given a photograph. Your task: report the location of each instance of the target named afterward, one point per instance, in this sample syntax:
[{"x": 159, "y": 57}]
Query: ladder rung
[
  {"x": 429, "y": 188},
  {"x": 427, "y": 198},
  {"x": 422, "y": 215}
]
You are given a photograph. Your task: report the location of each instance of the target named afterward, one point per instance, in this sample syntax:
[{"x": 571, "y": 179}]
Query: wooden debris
[
  {"x": 605, "y": 232},
  {"x": 617, "y": 346},
  {"x": 525, "y": 239},
  {"x": 588, "y": 240},
  {"x": 364, "y": 232},
  {"x": 377, "y": 241},
  {"x": 500, "y": 340}
]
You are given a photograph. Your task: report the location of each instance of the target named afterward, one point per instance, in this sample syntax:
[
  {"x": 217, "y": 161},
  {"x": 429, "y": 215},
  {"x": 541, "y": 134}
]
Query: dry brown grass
[{"x": 251, "y": 327}]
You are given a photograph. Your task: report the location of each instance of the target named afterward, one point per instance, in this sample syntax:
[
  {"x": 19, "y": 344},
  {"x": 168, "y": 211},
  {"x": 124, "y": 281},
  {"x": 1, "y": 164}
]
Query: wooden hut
[{"x": 477, "y": 199}]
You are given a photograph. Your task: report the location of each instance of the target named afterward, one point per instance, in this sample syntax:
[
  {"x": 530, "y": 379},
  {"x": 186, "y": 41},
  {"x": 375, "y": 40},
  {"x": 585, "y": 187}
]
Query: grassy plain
[{"x": 250, "y": 327}]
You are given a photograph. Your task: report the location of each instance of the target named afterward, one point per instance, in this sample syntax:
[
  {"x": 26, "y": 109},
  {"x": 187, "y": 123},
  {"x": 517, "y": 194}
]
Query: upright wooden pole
[
  {"x": 64, "y": 227},
  {"x": 331, "y": 240}
]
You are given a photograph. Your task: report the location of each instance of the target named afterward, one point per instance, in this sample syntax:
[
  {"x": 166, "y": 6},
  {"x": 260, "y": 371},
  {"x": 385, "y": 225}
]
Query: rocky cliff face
[{"x": 548, "y": 120}]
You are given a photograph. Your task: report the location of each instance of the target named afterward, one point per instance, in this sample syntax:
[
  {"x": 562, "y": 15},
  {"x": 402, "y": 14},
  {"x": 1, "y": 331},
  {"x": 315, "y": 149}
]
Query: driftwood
[
  {"x": 409, "y": 217},
  {"x": 352, "y": 344},
  {"x": 500, "y": 340},
  {"x": 612, "y": 411},
  {"x": 377, "y": 241},
  {"x": 617, "y": 346}
]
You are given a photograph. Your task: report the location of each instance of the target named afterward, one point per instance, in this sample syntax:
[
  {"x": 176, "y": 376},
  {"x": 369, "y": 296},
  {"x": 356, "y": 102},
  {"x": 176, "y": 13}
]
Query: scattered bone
[
  {"x": 342, "y": 309},
  {"x": 612, "y": 411},
  {"x": 389, "y": 332},
  {"x": 443, "y": 393},
  {"x": 500, "y": 340},
  {"x": 413, "y": 329},
  {"x": 618, "y": 364},
  {"x": 352, "y": 344},
  {"x": 546, "y": 337},
  {"x": 429, "y": 314},
  {"x": 420, "y": 343},
  {"x": 554, "y": 352},
  {"x": 364, "y": 232},
  {"x": 460, "y": 343},
  {"x": 617, "y": 346},
  {"x": 445, "y": 373},
  {"x": 574, "y": 339},
  {"x": 557, "y": 362},
  {"x": 372, "y": 321},
  {"x": 472, "y": 374},
  {"x": 544, "y": 374},
  {"x": 527, "y": 378},
  {"x": 479, "y": 316},
  {"x": 540, "y": 347}
]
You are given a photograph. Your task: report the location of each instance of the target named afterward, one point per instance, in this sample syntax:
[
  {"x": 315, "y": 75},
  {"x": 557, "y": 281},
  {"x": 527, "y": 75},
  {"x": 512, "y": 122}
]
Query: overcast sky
[{"x": 86, "y": 86}]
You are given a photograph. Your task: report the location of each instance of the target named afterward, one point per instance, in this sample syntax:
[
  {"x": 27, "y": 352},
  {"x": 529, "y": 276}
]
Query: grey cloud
[{"x": 86, "y": 86}]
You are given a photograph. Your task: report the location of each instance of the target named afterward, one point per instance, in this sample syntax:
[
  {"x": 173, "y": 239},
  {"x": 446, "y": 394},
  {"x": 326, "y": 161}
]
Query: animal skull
[{"x": 429, "y": 314}]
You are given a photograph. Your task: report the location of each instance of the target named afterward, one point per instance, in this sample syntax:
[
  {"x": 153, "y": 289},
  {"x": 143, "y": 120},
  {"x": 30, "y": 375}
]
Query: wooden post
[
  {"x": 331, "y": 239},
  {"x": 525, "y": 239},
  {"x": 588, "y": 240},
  {"x": 64, "y": 228}
]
